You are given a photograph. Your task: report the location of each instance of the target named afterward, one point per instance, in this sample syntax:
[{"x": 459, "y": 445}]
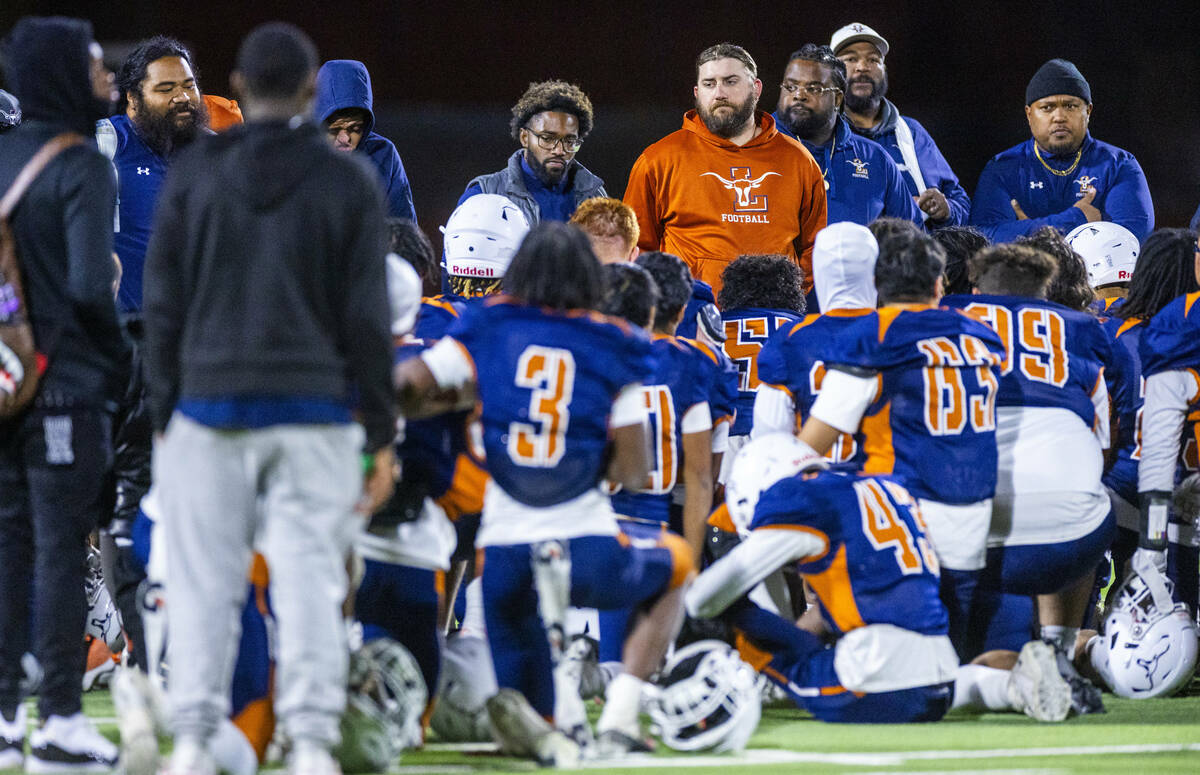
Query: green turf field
[{"x": 1150, "y": 736}]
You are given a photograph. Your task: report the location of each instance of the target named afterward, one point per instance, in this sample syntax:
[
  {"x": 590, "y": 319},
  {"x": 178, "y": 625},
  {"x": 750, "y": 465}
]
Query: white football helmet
[
  {"x": 1109, "y": 251},
  {"x": 708, "y": 699},
  {"x": 384, "y": 704},
  {"x": 466, "y": 682},
  {"x": 404, "y": 294},
  {"x": 1145, "y": 649},
  {"x": 483, "y": 235},
  {"x": 758, "y": 465}
]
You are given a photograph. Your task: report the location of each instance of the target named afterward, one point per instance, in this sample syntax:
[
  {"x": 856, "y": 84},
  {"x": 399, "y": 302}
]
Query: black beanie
[{"x": 1058, "y": 76}]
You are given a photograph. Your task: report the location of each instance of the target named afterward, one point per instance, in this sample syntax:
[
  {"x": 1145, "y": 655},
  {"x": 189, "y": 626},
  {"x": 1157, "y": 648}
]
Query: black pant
[{"x": 53, "y": 466}]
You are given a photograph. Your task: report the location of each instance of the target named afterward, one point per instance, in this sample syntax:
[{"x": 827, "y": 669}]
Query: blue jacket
[
  {"x": 345, "y": 83},
  {"x": 140, "y": 174},
  {"x": 935, "y": 170},
  {"x": 532, "y": 197},
  {"x": 1121, "y": 192},
  {"x": 863, "y": 183}
]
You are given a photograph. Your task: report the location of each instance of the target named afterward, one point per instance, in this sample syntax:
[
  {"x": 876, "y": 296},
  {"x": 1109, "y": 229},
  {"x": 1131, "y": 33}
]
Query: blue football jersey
[
  {"x": 933, "y": 420},
  {"x": 1172, "y": 339},
  {"x": 879, "y": 567},
  {"x": 1056, "y": 356},
  {"x": 721, "y": 377},
  {"x": 437, "y": 450},
  {"x": 1123, "y": 475},
  {"x": 547, "y": 380},
  {"x": 746, "y": 331},
  {"x": 679, "y": 382},
  {"x": 789, "y": 362}
]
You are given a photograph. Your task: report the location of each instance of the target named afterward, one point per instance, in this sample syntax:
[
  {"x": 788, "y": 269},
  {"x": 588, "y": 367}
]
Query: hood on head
[
  {"x": 341, "y": 84},
  {"x": 48, "y": 68},
  {"x": 843, "y": 257}
]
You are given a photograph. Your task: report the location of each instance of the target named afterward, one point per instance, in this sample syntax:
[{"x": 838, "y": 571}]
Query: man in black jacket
[
  {"x": 54, "y": 457},
  {"x": 267, "y": 333}
]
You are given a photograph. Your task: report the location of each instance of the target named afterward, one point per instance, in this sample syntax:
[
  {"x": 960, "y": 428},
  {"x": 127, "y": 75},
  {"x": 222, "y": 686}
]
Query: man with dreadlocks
[{"x": 543, "y": 179}]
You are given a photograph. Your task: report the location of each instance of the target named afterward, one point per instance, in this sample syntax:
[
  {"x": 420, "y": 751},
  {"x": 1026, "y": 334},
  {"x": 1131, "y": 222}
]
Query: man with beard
[
  {"x": 163, "y": 113},
  {"x": 943, "y": 202},
  {"x": 729, "y": 182},
  {"x": 862, "y": 182},
  {"x": 1062, "y": 176},
  {"x": 543, "y": 179}
]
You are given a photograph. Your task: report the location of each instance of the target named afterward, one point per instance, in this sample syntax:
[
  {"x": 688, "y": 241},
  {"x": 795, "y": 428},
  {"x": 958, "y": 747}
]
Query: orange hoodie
[{"x": 708, "y": 201}]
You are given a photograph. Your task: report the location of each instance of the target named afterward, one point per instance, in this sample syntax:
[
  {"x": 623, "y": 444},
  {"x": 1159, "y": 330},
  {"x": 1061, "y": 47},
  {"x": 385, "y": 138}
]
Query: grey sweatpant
[{"x": 290, "y": 490}]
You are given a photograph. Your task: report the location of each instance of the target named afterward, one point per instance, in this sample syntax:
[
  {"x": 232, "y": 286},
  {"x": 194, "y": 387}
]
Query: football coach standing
[{"x": 268, "y": 353}]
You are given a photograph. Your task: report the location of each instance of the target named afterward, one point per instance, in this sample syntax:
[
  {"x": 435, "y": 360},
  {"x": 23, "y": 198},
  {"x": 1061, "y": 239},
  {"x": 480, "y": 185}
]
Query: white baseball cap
[{"x": 853, "y": 33}]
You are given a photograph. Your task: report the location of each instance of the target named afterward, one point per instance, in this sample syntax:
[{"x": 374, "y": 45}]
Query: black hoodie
[
  {"x": 266, "y": 276},
  {"x": 64, "y": 224}
]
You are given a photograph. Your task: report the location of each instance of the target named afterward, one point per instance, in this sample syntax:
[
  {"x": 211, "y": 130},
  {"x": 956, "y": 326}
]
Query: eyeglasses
[
  {"x": 547, "y": 142},
  {"x": 811, "y": 89}
]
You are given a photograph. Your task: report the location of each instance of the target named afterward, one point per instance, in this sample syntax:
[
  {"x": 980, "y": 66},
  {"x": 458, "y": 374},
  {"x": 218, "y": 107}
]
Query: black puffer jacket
[{"x": 63, "y": 225}]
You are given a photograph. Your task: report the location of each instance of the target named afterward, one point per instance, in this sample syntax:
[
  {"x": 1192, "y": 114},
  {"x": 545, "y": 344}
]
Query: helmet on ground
[
  {"x": 384, "y": 702},
  {"x": 708, "y": 699},
  {"x": 1109, "y": 251},
  {"x": 482, "y": 236},
  {"x": 1145, "y": 650},
  {"x": 758, "y": 465}
]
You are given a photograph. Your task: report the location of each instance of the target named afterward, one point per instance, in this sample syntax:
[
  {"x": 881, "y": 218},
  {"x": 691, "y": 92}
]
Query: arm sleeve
[
  {"x": 90, "y": 196},
  {"x": 898, "y": 203},
  {"x": 992, "y": 213},
  {"x": 641, "y": 196},
  {"x": 163, "y": 297},
  {"x": 1168, "y": 394},
  {"x": 774, "y": 412},
  {"x": 1102, "y": 408},
  {"x": 366, "y": 339},
  {"x": 449, "y": 363},
  {"x": 1128, "y": 201},
  {"x": 844, "y": 399},
  {"x": 937, "y": 172},
  {"x": 629, "y": 408},
  {"x": 750, "y": 562},
  {"x": 697, "y": 418}
]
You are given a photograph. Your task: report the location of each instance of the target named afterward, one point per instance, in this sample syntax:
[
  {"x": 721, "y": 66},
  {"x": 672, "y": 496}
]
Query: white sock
[
  {"x": 473, "y": 622},
  {"x": 981, "y": 688},
  {"x": 1062, "y": 637},
  {"x": 621, "y": 703}
]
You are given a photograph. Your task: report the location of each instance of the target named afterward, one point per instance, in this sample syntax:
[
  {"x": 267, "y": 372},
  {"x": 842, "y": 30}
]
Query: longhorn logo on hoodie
[{"x": 742, "y": 185}]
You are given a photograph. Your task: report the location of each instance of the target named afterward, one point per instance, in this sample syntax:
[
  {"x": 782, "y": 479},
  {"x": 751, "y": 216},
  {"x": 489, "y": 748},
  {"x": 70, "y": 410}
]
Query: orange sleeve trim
[
  {"x": 440, "y": 303},
  {"x": 887, "y": 316},
  {"x": 780, "y": 387}
]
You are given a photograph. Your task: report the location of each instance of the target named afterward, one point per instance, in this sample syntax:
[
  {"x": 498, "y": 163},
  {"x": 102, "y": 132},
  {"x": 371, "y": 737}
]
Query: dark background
[{"x": 446, "y": 74}]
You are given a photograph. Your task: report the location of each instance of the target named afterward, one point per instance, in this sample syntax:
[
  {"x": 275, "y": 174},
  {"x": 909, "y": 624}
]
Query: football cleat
[
  {"x": 520, "y": 731},
  {"x": 101, "y": 663},
  {"x": 134, "y": 701},
  {"x": 103, "y": 621},
  {"x": 1035, "y": 686},
  {"x": 69, "y": 744},
  {"x": 616, "y": 744},
  {"x": 12, "y": 738}
]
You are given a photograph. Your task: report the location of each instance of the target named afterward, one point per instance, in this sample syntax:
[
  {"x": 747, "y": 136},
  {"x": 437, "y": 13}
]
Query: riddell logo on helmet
[
  {"x": 1123, "y": 275},
  {"x": 473, "y": 271}
]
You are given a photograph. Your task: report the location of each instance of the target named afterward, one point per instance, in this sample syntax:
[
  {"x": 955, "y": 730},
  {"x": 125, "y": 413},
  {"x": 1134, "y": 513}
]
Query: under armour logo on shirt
[
  {"x": 1036, "y": 184},
  {"x": 143, "y": 170}
]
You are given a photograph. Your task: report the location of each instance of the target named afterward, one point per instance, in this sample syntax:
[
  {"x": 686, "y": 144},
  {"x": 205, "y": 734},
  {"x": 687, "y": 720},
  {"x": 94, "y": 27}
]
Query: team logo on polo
[
  {"x": 1085, "y": 182},
  {"x": 857, "y": 27},
  {"x": 1036, "y": 184},
  {"x": 743, "y": 185},
  {"x": 860, "y": 168}
]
